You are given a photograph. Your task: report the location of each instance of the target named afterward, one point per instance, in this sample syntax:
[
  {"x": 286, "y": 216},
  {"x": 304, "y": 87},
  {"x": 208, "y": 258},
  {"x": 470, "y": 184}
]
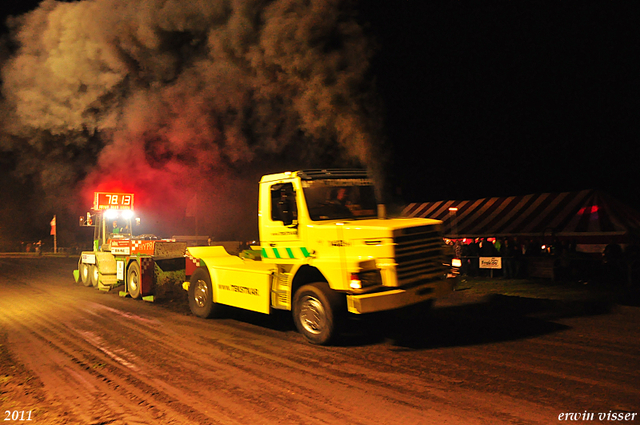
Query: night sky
[
  {"x": 499, "y": 100},
  {"x": 521, "y": 98}
]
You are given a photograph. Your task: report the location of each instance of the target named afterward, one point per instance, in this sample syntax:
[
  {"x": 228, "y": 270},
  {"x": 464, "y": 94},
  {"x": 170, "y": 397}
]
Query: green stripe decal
[{"x": 288, "y": 255}]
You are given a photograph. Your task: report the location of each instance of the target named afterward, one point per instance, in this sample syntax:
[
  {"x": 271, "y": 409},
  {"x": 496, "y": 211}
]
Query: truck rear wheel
[
  {"x": 315, "y": 315},
  {"x": 133, "y": 280},
  {"x": 201, "y": 295}
]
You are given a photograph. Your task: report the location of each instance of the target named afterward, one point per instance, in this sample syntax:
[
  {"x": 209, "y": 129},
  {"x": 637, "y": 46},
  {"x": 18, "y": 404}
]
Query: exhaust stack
[{"x": 382, "y": 211}]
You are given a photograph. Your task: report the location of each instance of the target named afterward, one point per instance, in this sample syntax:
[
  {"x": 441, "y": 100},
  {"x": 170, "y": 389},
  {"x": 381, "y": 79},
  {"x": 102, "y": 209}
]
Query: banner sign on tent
[{"x": 490, "y": 262}]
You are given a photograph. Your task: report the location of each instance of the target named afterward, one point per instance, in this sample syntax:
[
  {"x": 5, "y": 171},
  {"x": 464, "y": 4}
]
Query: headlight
[
  {"x": 355, "y": 282},
  {"x": 365, "y": 279}
]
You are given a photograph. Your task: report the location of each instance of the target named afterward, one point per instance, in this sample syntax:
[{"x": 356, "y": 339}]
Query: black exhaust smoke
[{"x": 167, "y": 97}]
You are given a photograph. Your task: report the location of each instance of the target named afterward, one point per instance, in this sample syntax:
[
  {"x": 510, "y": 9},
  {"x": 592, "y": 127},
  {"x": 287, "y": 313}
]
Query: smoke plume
[{"x": 169, "y": 98}]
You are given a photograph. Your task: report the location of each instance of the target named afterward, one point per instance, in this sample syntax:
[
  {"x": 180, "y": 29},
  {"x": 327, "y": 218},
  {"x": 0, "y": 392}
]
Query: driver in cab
[{"x": 340, "y": 201}]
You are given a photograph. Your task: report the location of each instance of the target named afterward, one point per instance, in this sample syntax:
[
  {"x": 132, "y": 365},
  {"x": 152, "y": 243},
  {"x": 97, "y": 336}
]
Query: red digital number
[{"x": 113, "y": 201}]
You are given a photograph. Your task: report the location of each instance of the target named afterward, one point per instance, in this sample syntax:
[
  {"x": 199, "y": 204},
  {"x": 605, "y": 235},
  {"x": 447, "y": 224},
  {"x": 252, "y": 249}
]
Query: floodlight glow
[
  {"x": 111, "y": 214},
  {"x": 127, "y": 214}
]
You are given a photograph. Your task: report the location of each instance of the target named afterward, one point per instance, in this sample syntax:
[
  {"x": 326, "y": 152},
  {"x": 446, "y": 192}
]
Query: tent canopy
[{"x": 587, "y": 216}]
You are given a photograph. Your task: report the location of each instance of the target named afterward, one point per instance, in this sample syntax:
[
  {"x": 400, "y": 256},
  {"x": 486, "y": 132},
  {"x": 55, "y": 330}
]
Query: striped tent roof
[{"x": 589, "y": 216}]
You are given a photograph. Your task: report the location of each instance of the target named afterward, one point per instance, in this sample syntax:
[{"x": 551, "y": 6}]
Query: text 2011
[{"x": 17, "y": 415}]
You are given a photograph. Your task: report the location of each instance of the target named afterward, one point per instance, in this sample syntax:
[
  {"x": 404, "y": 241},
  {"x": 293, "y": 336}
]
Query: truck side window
[{"x": 283, "y": 204}]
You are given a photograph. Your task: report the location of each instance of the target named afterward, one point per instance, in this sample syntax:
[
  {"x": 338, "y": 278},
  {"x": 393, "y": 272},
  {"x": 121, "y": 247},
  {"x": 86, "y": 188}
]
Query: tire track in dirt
[
  {"x": 239, "y": 372},
  {"x": 56, "y": 337},
  {"x": 80, "y": 375},
  {"x": 391, "y": 389},
  {"x": 291, "y": 382},
  {"x": 253, "y": 373},
  {"x": 124, "y": 361},
  {"x": 231, "y": 373},
  {"x": 251, "y": 355}
]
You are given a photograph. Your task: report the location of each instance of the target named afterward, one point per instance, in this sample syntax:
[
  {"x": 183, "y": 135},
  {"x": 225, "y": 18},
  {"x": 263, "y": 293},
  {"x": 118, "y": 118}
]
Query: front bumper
[{"x": 398, "y": 298}]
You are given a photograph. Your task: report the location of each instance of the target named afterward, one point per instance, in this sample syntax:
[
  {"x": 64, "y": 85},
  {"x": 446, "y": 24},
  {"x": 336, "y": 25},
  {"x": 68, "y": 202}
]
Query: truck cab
[{"x": 324, "y": 252}]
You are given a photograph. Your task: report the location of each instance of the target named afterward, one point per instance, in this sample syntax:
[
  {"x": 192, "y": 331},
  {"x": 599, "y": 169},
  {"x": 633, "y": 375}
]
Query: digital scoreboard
[{"x": 113, "y": 201}]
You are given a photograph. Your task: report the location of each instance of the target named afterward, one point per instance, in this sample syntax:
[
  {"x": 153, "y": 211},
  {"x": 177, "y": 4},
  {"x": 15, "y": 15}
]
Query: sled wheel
[
  {"x": 133, "y": 280},
  {"x": 93, "y": 275},
  {"x": 85, "y": 274}
]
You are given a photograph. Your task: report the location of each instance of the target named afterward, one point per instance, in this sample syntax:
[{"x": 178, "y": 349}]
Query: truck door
[{"x": 281, "y": 239}]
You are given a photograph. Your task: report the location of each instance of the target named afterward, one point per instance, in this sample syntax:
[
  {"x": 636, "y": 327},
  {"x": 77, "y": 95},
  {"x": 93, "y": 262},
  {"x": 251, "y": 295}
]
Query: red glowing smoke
[{"x": 169, "y": 98}]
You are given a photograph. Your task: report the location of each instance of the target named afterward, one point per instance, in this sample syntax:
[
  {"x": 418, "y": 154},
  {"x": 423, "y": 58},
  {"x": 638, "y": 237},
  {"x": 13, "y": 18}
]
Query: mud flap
[
  {"x": 169, "y": 275},
  {"x": 147, "y": 271}
]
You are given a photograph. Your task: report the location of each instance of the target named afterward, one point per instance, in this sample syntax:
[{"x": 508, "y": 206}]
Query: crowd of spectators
[{"x": 614, "y": 264}]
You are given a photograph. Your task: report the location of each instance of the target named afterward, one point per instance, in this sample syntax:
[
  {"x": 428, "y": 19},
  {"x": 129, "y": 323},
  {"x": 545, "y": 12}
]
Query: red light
[{"x": 588, "y": 210}]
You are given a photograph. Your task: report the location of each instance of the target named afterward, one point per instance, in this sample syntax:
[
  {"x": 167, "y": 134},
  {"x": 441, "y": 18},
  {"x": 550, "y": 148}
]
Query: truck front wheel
[
  {"x": 201, "y": 295},
  {"x": 315, "y": 316},
  {"x": 133, "y": 280}
]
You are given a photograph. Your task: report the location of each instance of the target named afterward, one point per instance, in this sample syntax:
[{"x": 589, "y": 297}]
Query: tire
[
  {"x": 93, "y": 275},
  {"x": 134, "y": 280},
  {"x": 85, "y": 274},
  {"x": 201, "y": 295},
  {"x": 316, "y": 313}
]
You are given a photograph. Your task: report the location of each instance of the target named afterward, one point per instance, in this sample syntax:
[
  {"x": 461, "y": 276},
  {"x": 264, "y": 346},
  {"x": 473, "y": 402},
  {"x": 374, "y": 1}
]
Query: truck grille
[{"x": 419, "y": 254}]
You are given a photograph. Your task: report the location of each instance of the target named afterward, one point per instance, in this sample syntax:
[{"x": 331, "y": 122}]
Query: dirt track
[{"x": 74, "y": 355}]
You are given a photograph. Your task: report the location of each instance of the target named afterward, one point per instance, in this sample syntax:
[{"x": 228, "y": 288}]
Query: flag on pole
[{"x": 53, "y": 226}]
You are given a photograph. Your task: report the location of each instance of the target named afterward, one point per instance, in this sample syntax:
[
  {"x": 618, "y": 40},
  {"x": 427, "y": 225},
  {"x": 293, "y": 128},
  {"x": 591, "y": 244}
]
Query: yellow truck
[{"x": 326, "y": 250}]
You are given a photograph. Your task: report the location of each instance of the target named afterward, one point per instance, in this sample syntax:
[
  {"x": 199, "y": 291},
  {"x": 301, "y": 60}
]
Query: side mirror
[
  {"x": 86, "y": 221},
  {"x": 285, "y": 213}
]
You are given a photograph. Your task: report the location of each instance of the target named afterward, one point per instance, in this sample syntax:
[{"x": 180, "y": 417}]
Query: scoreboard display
[{"x": 113, "y": 201}]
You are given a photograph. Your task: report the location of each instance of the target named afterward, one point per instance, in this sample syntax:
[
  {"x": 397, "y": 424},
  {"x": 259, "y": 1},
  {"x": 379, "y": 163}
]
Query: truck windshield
[
  {"x": 334, "y": 199},
  {"x": 119, "y": 228}
]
